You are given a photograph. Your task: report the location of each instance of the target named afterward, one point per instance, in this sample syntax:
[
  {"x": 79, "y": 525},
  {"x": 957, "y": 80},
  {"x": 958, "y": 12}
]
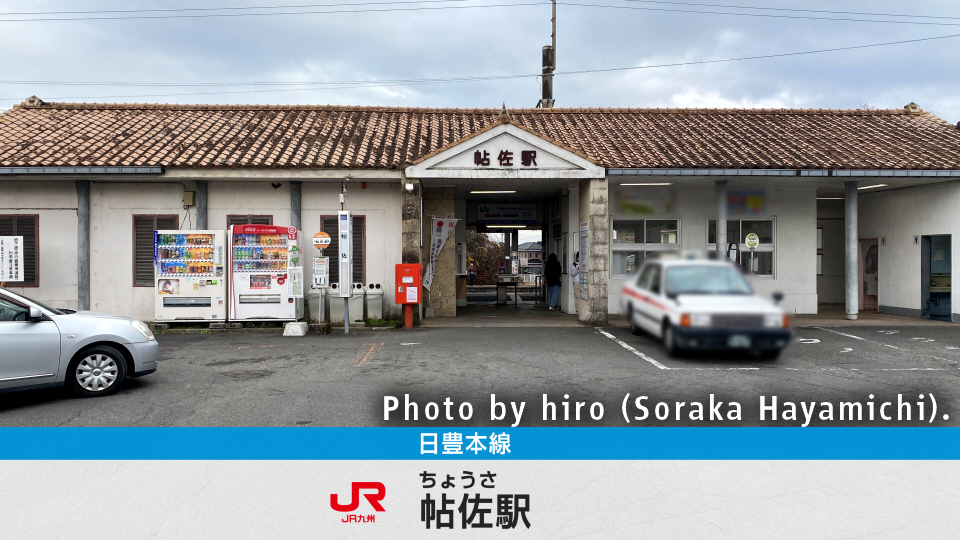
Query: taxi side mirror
[
  {"x": 35, "y": 314},
  {"x": 777, "y": 297}
]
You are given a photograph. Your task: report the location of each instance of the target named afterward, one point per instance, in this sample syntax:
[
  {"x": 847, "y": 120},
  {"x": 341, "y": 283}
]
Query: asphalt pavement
[{"x": 337, "y": 380}]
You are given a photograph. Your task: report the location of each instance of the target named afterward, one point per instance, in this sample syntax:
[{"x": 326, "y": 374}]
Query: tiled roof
[{"x": 245, "y": 136}]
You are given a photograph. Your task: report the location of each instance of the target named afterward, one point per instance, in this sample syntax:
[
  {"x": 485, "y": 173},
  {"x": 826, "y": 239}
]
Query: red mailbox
[
  {"x": 407, "y": 282},
  {"x": 408, "y": 290}
]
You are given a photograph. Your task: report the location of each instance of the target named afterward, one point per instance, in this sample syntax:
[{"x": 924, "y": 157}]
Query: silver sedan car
[{"x": 92, "y": 353}]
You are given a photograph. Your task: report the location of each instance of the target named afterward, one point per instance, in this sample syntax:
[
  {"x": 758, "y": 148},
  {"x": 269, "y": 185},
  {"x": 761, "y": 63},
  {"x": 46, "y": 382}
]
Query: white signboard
[
  {"x": 11, "y": 258},
  {"x": 506, "y": 214},
  {"x": 320, "y": 273},
  {"x": 345, "y": 238},
  {"x": 440, "y": 230}
]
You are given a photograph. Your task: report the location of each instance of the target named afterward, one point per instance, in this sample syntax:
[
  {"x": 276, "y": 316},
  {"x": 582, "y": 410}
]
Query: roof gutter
[
  {"x": 785, "y": 172},
  {"x": 80, "y": 170}
]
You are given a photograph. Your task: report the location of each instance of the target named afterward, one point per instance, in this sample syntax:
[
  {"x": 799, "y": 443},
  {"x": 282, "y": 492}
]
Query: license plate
[{"x": 738, "y": 341}]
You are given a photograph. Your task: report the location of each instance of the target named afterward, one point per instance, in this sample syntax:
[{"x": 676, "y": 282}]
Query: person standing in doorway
[{"x": 552, "y": 271}]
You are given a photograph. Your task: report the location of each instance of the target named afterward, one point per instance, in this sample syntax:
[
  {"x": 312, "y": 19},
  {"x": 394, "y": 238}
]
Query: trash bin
[{"x": 374, "y": 301}]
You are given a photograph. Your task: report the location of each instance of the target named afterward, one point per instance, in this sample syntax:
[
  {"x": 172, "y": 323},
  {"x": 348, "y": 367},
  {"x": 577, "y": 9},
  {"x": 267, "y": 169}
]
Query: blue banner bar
[{"x": 355, "y": 443}]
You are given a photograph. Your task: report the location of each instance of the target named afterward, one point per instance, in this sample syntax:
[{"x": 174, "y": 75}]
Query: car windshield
[
  {"x": 705, "y": 280},
  {"x": 55, "y": 311}
]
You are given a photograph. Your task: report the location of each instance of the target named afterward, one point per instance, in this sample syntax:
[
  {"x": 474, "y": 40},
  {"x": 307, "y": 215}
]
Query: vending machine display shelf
[
  {"x": 186, "y": 260},
  {"x": 283, "y": 245},
  {"x": 206, "y": 274},
  {"x": 261, "y": 270}
]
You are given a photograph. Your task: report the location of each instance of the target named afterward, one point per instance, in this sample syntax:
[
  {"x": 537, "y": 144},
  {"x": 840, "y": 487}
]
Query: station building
[{"x": 852, "y": 207}]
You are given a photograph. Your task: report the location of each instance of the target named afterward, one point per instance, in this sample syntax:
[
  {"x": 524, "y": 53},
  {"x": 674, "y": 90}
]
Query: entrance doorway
[
  {"x": 869, "y": 275},
  {"x": 935, "y": 277}
]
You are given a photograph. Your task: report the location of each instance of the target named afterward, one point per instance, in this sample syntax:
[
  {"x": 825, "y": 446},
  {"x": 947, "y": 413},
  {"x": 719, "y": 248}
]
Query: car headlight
[
  {"x": 700, "y": 319},
  {"x": 143, "y": 329},
  {"x": 776, "y": 320}
]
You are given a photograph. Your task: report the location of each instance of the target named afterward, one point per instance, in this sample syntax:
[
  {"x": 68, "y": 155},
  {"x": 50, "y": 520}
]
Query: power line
[
  {"x": 331, "y": 85},
  {"x": 178, "y": 13},
  {"x": 305, "y": 6}
]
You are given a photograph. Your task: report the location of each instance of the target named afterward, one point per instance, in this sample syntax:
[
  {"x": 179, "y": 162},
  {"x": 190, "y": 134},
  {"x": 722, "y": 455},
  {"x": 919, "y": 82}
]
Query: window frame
[
  {"x": 744, "y": 250},
  {"x": 36, "y": 251},
  {"x": 363, "y": 248},
  {"x": 249, "y": 217},
  {"x": 133, "y": 233},
  {"x": 641, "y": 247}
]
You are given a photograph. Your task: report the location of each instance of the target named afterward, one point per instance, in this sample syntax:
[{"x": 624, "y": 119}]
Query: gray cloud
[{"x": 433, "y": 44}]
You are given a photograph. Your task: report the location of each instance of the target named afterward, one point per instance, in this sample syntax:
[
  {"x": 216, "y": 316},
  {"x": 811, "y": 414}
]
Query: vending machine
[
  {"x": 266, "y": 281},
  {"x": 189, "y": 269}
]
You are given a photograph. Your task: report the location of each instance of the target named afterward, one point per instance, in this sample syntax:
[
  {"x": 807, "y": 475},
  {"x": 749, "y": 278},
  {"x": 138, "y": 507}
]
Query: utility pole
[{"x": 549, "y": 63}]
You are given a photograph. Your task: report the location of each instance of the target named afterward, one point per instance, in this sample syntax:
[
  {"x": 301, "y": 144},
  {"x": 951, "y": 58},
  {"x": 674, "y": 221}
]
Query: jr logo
[{"x": 355, "y": 487}]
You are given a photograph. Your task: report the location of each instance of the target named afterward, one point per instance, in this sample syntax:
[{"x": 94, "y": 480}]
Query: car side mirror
[
  {"x": 777, "y": 297},
  {"x": 35, "y": 314}
]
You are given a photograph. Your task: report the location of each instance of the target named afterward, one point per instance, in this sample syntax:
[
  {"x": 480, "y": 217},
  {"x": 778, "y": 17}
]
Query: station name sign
[{"x": 505, "y": 158}]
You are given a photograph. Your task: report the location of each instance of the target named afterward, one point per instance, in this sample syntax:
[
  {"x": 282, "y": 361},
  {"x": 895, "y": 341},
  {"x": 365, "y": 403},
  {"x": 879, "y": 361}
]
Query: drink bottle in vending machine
[
  {"x": 266, "y": 273},
  {"x": 190, "y": 276}
]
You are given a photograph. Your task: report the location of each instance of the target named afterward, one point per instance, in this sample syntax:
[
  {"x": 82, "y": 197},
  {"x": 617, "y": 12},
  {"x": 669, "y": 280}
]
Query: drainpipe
[
  {"x": 722, "y": 217},
  {"x": 851, "y": 237},
  {"x": 295, "y": 203},
  {"x": 83, "y": 245},
  {"x": 201, "y": 202}
]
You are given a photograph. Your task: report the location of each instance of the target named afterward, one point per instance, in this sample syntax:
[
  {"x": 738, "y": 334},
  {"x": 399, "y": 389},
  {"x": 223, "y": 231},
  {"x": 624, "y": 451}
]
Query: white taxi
[{"x": 692, "y": 302}]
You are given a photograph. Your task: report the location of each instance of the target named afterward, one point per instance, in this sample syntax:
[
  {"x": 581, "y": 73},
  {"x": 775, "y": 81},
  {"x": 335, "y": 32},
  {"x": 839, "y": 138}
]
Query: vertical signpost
[{"x": 345, "y": 260}]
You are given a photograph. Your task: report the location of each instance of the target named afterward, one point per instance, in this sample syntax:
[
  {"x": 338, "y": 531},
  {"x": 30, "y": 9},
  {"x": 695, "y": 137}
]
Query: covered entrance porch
[{"x": 499, "y": 181}]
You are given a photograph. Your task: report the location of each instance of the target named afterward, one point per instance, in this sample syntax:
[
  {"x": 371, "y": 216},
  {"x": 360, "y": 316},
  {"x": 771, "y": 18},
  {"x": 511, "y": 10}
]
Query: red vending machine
[{"x": 266, "y": 274}]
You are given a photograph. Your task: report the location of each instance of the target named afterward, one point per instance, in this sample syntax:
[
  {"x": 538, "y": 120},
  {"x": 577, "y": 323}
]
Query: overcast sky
[{"x": 493, "y": 41}]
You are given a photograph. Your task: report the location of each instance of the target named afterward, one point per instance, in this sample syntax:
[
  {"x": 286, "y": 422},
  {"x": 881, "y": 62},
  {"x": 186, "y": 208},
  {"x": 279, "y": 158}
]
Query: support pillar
[
  {"x": 83, "y": 244},
  {"x": 722, "y": 217},
  {"x": 851, "y": 238},
  {"x": 295, "y": 204},
  {"x": 411, "y": 227},
  {"x": 595, "y": 211},
  {"x": 200, "y": 193}
]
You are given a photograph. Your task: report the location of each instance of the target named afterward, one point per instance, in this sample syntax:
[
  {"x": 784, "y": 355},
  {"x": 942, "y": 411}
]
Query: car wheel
[
  {"x": 634, "y": 329},
  {"x": 670, "y": 340},
  {"x": 97, "y": 371}
]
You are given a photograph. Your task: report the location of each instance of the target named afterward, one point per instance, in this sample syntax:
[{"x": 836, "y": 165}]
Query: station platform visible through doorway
[{"x": 482, "y": 311}]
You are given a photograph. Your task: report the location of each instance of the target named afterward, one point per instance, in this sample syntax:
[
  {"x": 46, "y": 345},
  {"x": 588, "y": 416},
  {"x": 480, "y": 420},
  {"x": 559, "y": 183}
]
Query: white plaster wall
[
  {"x": 897, "y": 216},
  {"x": 55, "y": 202},
  {"x": 112, "y": 207},
  {"x": 257, "y": 198},
  {"x": 381, "y": 204},
  {"x": 795, "y": 262}
]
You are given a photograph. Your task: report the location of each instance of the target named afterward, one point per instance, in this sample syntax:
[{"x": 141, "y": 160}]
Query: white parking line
[{"x": 633, "y": 350}]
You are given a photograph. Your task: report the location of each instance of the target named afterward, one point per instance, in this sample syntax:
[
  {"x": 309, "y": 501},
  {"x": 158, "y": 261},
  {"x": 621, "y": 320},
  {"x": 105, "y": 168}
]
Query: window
[
  {"x": 759, "y": 261},
  {"x": 329, "y": 226},
  {"x": 143, "y": 227},
  {"x": 248, "y": 219},
  {"x": 633, "y": 239},
  {"x": 27, "y": 226},
  {"x": 11, "y": 311}
]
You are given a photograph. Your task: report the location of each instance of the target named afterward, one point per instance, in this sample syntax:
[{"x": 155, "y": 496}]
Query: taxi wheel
[
  {"x": 670, "y": 340},
  {"x": 634, "y": 329},
  {"x": 771, "y": 354}
]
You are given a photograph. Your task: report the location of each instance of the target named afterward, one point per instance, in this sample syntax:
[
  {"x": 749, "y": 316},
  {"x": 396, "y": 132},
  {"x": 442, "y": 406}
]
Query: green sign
[{"x": 752, "y": 240}]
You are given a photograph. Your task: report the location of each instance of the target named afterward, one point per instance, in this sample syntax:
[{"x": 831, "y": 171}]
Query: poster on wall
[
  {"x": 750, "y": 202},
  {"x": 584, "y": 257},
  {"x": 440, "y": 230},
  {"x": 646, "y": 201},
  {"x": 11, "y": 258}
]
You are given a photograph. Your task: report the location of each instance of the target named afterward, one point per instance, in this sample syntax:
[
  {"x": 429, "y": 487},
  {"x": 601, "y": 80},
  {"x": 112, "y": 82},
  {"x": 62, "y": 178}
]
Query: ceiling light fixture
[
  {"x": 829, "y": 198},
  {"x": 873, "y": 186},
  {"x": 650, "y": 184},
  {"x": 490, "y": 192}
]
